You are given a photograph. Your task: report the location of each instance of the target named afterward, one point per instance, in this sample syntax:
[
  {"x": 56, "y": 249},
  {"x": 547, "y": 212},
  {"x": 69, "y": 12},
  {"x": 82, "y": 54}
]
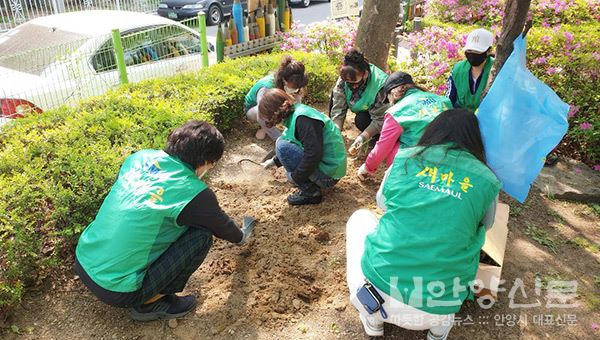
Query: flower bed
[{"x": 57, "y": 167}]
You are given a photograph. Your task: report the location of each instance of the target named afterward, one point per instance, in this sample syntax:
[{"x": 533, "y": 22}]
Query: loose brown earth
[{"x": 289, "y": 282}]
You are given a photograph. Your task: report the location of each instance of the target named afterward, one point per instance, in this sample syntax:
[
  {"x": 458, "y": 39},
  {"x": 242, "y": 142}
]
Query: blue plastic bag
[{"x": 521, "y": 121}]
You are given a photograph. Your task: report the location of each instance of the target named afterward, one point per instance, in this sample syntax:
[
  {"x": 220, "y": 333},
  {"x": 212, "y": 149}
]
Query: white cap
[{"x": 479, "y": 40}]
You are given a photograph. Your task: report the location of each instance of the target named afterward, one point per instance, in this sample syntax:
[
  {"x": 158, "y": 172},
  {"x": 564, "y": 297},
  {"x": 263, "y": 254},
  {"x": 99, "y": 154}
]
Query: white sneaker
[
  {"x": 443, "y": 336},
  {"x": 371, "y": 328}
]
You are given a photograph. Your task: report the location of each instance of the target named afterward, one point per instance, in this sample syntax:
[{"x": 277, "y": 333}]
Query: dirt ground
[{"x": 289, "y": 282}]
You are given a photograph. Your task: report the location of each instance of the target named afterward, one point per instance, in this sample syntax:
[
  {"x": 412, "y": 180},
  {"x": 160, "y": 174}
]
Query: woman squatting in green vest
[
  {"x": 360, "y": 89},
  {"x": 469, "y": 77},
  {"x": 311, "y": 148},
  {"x": 156, "y": 225},
  {"x": 422, "y": 256},
  {"x": 290, "y": 77},
  {"x": 404, "y": 123}
]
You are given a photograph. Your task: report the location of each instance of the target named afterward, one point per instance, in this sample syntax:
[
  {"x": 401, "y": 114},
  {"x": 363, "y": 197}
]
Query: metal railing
[
  {"x": 16, "y": 12},
  {"x": 66, "y": 73},
  {"x": 44, "y": 69}
]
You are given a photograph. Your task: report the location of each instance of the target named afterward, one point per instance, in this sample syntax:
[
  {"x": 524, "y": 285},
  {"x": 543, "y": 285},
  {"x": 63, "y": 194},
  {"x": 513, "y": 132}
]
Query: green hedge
[{"x": 56, "y": 168}]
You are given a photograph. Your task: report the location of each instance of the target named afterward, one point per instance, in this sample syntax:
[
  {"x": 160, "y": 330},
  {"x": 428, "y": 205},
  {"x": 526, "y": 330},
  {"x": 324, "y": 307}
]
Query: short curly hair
[{"x": 196, "y": 143}]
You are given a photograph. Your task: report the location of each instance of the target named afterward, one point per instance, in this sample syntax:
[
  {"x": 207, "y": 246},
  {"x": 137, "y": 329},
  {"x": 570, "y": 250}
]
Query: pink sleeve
[{"x": 386, "y": 145}]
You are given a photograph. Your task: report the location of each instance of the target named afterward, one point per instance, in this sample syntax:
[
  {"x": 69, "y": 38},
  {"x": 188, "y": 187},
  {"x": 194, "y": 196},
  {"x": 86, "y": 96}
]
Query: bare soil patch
[{"x": 289, "y": 282}]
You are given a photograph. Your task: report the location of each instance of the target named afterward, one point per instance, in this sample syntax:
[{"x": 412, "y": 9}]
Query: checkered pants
[{"x": 167, "y": 275}]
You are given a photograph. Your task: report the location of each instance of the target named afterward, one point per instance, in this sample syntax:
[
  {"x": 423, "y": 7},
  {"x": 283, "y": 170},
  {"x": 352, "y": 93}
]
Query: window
[{"x": 148, "y": 45}]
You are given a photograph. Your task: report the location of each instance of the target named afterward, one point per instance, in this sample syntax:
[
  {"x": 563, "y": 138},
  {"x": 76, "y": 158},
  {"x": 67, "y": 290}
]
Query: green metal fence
[
  {"x": 67, "y": 72},
  {"x": 16, "y": 12}
]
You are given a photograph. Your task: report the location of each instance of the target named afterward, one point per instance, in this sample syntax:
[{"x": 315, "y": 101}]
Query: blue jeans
[{"x": 290, "y": 155}]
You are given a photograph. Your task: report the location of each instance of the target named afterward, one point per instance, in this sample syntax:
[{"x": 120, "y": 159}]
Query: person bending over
[
  {"x": 290, "y": 77},
  {"x": 413, "y": 109},
  {"x": 156, "y": 225},
  {"x": 422, "y": 255},
  {"x": 311, "y": 148}
]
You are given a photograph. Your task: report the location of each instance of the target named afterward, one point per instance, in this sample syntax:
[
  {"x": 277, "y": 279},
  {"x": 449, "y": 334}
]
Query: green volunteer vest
[
  {"x": 425, "y": 250},
  {"x": 268, "y": 82},
  {"x": 333, "y": 163},
  {"x": 460, "y": 76},
  {"x": 375, "y": 82},
  {"x": 137, "y": 220},
  {"x": 415, "y": 111}
]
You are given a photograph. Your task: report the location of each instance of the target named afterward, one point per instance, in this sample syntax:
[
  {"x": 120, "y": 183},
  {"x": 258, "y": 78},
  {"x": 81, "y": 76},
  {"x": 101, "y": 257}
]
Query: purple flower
[
  {"x": 577, "y": 170},
  {"x": 585, "y": 126},
  {"x": 539, "y": 61},
  {"x": 568, "y": 36},
  {"x": 551, "y": 70},
  {"x": 573, "y": 109},
  {"x": 442, "y": 89},
  {"x": 597, "y": 168}
]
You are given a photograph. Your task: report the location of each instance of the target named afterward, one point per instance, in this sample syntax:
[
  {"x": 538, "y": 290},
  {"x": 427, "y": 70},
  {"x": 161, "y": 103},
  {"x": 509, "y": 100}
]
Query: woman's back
[{"x": 431, "y": 233}]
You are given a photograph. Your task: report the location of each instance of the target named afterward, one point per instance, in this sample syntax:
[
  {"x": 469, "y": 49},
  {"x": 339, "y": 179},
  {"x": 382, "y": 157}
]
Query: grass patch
[
  {"x": 585, "y": 244},
  {"x": 592, "y": 301},
  {"x": 552, "y": 276},
  {"x": 595, "y": 208},
  {"x": 542, "y": 237},
  {"x": 516, "y": 208}
]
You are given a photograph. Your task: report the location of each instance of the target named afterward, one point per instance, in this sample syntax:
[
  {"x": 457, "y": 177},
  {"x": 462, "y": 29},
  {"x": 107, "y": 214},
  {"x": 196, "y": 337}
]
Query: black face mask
[
  {"x": 356, "y": 85},
  {"x": 475, "y": 59}
]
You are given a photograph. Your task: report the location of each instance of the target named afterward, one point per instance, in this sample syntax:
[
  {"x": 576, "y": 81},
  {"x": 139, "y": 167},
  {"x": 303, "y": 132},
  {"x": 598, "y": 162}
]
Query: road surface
[{"x": 317, "y": 11}]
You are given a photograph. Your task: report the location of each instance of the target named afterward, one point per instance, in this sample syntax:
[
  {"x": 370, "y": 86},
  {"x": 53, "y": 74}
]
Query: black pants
[
  {"x": 362, "y": 120},
  {"x": 167, "y": 275}
]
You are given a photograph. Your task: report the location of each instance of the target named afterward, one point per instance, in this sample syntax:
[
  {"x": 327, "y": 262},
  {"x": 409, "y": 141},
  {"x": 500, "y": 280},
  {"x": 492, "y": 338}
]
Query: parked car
[
  {"x": 58, "y": 59},
  {"x": 302, "y": 3},
  {"x": 215, "y": 10}
]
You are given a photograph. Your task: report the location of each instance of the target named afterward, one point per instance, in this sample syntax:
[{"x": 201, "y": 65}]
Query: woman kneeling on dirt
[
  {"x": 413, "y": 109},
  {"x": 290, "y": 77},
  {"x": 156, "y": 225},
  {"x": 419, "y": 259},
  {"x": 311, "y": 148}
]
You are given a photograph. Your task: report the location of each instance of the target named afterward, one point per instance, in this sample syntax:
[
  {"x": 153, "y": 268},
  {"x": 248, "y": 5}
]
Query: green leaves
[{"x": 57, "y": 167}]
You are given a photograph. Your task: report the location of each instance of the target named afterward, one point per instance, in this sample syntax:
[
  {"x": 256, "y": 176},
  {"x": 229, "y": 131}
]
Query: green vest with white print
[
  {"x": 415, "y": 111},
  {"x": 425, "y": 250},
  {"x": 137, "y": 221},
  {"x": 333, "y": 163}
]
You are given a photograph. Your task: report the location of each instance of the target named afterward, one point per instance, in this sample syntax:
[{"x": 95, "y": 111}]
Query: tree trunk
[
  {"x": 513, "y": 24},
  {"x": 376, "y": 30}
]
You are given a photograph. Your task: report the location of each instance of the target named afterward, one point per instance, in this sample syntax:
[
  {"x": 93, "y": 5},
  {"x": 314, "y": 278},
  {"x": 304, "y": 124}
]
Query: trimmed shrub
[{"x": 57, "y": 167}]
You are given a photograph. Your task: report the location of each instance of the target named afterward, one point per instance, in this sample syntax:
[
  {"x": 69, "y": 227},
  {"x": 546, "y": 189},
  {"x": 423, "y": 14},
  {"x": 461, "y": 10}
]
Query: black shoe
[
  {"x": 302, "y": 197},
  {"x": 167, "y": 307}
]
